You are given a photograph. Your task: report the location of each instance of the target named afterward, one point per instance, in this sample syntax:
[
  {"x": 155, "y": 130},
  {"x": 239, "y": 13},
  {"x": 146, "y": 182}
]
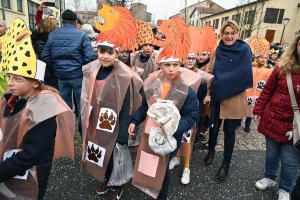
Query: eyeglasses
[
  {"x": 191, "y": 58},
  {"x": 15, "y": 80},
  {"x": 226, "y": 34}
]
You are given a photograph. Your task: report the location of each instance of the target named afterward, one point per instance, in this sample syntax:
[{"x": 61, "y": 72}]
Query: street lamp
[{"x": 285, "y": 22}]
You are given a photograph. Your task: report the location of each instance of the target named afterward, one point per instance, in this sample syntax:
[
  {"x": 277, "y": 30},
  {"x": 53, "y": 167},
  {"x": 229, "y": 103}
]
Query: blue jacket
[
  {"x": 66, "y": 51},
  {"x": 189, "y": 116}
]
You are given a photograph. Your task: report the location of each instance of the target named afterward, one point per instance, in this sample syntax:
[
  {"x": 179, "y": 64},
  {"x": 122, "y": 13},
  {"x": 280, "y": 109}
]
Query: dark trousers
[
  {"x": 247, "y": 121},
  {"x": 229, "y": 138},
  {"x": 110, "y": 167},
  {"x": 163, "y": 195}
]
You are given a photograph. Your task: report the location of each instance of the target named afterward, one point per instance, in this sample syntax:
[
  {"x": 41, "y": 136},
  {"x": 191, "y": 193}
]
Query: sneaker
[
  {"x": 115, "y": 194},
  {"x": 247, "y": 129},
  {"x": 103, "y": 188},
  {"x": 185, "y": 176},
  {"x": 283, "y": 195},
  {"x": 133, "y": 143},
  {"x": 173, "y": 163},
  {"x": 265, "y": 183}
]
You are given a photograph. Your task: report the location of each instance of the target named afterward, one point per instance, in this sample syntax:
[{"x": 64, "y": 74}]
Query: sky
[{"x": 163, "y": 9}]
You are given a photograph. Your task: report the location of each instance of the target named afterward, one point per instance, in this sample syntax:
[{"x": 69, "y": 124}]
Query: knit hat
[
  {"x": 18, "y": 56},
  {"x": 69, "y": 15}
]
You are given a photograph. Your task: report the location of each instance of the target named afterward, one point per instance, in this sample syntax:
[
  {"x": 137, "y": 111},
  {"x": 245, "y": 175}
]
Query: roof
[
  {"x": 234, "y": 8},
  {"x": 206, "y": 10},
  {"x": 203, "y": 1},
  {"x": 85, "y": 12}
]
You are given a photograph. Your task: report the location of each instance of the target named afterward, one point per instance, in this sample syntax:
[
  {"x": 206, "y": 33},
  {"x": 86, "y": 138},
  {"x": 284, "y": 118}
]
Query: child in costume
[
  {"x": 144, "y": 62},
  {"x": 110, "y": 94},
  {"x": 36, "y": 126},
  {"x": 261, "y": 73},
  {"x": 151, "y": 171},
  {"x": 273, "y": 56},
  {"x": 189, "y": 137}
]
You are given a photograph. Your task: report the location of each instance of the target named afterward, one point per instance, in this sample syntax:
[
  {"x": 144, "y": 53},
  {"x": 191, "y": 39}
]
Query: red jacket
[
  {"x": 275, "y": 107},
  {"x": 38, "y": 16}
]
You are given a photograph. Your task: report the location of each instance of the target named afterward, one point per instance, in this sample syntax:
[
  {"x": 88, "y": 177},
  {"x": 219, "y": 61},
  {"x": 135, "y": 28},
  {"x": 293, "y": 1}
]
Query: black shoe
[
  {"x": 115, "y": 194},
  {"x": 223, "y": 172},
  {"x": 208, "y": 159},
  {"x": 247, "y": 129},
  {"x": 103, "y": 188}
]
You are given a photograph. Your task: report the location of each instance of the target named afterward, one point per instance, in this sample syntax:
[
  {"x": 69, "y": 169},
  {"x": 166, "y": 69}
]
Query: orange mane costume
[
  {"x": 117, "y": 26},
  {"x": 196, "y": 40},
  {"x": 209, "y": 40},
  {"x": 177, "y": 42}
]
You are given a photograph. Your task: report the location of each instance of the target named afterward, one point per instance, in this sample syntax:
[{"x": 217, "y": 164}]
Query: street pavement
[{"x": 68, "y": 182}]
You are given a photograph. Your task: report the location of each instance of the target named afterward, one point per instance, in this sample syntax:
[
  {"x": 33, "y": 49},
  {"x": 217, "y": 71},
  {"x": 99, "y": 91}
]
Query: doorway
[{"x": 270, "y": 35}]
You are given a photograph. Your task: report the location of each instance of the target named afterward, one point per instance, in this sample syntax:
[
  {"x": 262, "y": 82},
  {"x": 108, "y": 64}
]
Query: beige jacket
[{"x": 234, "y": 107}]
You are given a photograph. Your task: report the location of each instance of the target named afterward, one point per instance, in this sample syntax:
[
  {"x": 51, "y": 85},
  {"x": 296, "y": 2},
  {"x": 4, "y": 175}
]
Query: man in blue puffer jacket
[{"x": 66, "y": 51}]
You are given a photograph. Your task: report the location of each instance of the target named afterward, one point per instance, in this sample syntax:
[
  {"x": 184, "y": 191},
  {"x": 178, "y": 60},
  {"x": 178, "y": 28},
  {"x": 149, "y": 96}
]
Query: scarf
[
  {"x": 255, "y": 64},
  {"x": 200, "y": 65},
  {"x": 232, "y": 70}
]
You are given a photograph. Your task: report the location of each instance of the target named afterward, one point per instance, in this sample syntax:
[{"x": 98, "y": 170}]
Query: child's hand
[
  {"x": 298, "y": 89},
  {"x": 256, "y": 118},
  {"x": 131, "y": 129},
  {"x": 206, "y": 100}
]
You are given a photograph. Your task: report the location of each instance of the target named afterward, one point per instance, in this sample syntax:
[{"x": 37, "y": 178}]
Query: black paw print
[
  {"x": 187, "y": 135},
  {"x": 261, "y": 85},
  {"x": 249, "y": 101},
  {"x": 94, "y": 154}
]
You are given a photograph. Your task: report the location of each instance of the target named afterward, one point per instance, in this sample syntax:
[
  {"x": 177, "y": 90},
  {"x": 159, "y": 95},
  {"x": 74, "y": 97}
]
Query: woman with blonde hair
[
  {"x": 39, "y": 39},
  {"x": 231, "y": 64},
  {"x": 274, "y": 112}
]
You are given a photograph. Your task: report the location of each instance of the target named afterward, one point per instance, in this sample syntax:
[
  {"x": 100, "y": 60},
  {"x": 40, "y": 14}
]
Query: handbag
[{"x": 296, "y": 121}]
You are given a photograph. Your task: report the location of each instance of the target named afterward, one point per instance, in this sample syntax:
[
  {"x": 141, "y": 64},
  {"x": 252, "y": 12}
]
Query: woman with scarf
[{"x": 231, "y": 64}]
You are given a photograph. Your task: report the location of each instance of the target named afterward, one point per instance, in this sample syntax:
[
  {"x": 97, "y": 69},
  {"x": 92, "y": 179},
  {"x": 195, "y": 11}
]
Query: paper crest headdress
[
  {"x": 117, "y": 27},
  {"x": 177, "y": 43},
  {"x": 259, "y": 45},
  {"x": 196, "y": 41},
  {"x": 209, "y": 40},
  {"x": 18, "y": 56},
  {"x": 144, "y": 33}
]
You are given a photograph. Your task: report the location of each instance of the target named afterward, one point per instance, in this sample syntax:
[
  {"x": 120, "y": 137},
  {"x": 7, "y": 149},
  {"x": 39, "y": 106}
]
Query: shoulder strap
[{"x": 291, "y": 91}]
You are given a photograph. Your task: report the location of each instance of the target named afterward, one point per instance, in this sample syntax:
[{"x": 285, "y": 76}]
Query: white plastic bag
[
  {"x": 166, "y": 114},
  {"x": 159, "y": 143},
  {"x": 123, "y": 169}
]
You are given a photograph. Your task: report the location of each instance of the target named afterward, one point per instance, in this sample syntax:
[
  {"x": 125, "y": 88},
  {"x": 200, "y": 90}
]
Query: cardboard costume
[
  {"x": 150, "y": 168},
  {"x": 13, "y": 129},
  {"x": 260, "y": 46},
  {"x": 144, "y": 36},
  {"x": 102, "y": 100}
]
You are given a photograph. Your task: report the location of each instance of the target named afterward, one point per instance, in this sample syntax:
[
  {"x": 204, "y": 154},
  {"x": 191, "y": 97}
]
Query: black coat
[
  {"x": 39, "y": 41},
  {"x": 295, "y": 195},
  {"x": 38, "y": 150}
]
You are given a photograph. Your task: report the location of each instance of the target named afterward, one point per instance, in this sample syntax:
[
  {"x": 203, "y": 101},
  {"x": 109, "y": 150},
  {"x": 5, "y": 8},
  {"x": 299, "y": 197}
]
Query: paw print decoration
[
  {"x": 249, "y": 101},
  {"x": 186, "y": 137},
  {"x": 107, "y": 120},
  {"x": 261, "y": 85},
  {"x": 95, "y": 154}
]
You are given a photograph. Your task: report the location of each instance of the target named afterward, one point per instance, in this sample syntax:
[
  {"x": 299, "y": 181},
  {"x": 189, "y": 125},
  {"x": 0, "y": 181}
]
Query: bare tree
[
  {"x": 85, "y": 10},
  {"x": 250, "y": 16}
]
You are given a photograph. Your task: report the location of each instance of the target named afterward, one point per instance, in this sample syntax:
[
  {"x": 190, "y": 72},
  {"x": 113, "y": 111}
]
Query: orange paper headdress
[
  {"x": 117, "y": 27},
  {"x": 177, "y": 42},
  {"x": 144, "y": 33},
  {"x": 196, "y": 40},
  {"x": 259, "y": 45},
  {"x": 209, "y": 41}
]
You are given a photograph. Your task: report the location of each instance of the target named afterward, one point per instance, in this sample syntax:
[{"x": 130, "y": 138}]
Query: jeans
[
  {"x": 289, "y": 158},
  {"x": 65, "y": 88},
  {"x": 51, "y": 81},
  {"x": 229, "y": 138}
]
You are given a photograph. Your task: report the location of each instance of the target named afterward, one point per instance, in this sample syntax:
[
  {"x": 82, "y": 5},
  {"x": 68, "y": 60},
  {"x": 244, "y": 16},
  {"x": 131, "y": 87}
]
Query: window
[
  {"x": 224, "y": 19},
  {"x": 274, "y": 16},
  {"x": 31, "y": 12},
  {"x": 249, "y": 17},
  {"x": 20, "y": 5},
  {"x": 245, "y": 34},
  {"x": 207, "y": 23},
  {"x": 6, "y": 4},
  {"x": 56, "y": 3},
  {"x": 197, "y": 24},
  {"x": 236, "y": 18},
  {"x": 216, "y": 24}
]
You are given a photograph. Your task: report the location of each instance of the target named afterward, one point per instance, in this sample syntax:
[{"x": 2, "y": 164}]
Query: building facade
[
  {"x": 26, "y": 10},
  {"x": 139, "y": 12},
  {"x": 264, "y": 18}
]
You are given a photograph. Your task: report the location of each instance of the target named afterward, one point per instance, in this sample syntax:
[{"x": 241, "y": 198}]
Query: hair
[
  {"x": 69, "y": 21},
  {"x": 3, "y": 23},
  {"x": 43, "y": 86},
  {"x": 103, "y": 49},
  {"x": 231, "y": 24},
  {"x": 47, "y": 26},
  {"x": 290, "y": 61},
  {"x": 154, "y": 30},
  {"x": 87, "y": 28}
]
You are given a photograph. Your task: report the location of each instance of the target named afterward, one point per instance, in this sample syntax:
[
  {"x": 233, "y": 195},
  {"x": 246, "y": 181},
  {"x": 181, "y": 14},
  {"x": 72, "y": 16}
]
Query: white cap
[
  {"x": 40, "y": 70},
  {"x": 171, "y": 59},
  {"x": 107, "y": 44},
  {"x": 192, "y": 54}
]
